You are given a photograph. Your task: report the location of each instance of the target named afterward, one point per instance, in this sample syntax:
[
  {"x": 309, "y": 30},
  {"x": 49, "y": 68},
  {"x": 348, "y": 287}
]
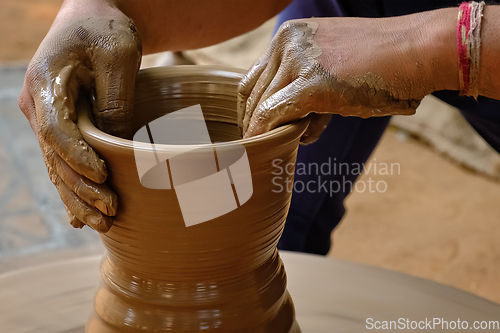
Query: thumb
[
  {"x": 115, "y": 69},
  {"x": 317, "y": 125}
]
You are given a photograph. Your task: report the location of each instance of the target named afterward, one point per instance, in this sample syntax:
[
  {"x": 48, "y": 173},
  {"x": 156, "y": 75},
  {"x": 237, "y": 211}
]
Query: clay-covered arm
[{"x": 360, "y": 67}]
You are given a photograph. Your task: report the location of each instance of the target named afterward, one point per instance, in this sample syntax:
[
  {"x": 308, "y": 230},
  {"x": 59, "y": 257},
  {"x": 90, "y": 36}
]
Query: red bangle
[
  {"x": 463, "y": 28},
  {"x": 468, "y": 46}
]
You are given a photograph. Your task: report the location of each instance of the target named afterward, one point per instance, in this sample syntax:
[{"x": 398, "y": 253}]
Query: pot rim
[{"x": 90, "y": 131}]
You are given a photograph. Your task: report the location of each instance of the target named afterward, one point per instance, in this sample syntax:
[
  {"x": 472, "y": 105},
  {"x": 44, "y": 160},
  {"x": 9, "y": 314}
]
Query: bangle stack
[{"x": 468, "y": 46}]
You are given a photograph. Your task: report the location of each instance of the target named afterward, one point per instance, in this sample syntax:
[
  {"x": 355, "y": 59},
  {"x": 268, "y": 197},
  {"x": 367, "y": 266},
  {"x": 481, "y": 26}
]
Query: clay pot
[{"x": 223, "y": 275}]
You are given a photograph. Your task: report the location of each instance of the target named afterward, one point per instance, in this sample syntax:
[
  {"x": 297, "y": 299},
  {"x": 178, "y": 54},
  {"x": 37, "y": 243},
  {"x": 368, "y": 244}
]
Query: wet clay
[
  {"x": 224, "y": 275},
  {"x": 99, "y": 56},
  {"x": 313, "y": 51},
  {"x": 321, "y": 66}
]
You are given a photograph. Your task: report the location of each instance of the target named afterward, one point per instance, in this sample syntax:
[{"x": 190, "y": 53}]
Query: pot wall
[{"x": 223, "y": 275}]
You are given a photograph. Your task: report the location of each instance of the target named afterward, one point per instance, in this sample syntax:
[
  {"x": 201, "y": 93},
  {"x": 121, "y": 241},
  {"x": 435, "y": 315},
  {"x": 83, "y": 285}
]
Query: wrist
[
  {"x": 437, "y": 47},
  {"x": 489, "y": 62},
  {"x": 79, "y": 9},
  {"x": 73, "y": 11}
]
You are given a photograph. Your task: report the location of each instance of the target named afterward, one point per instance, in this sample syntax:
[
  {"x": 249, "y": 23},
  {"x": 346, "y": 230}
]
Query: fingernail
[
  {"x": 75, "y": 223},
  {"x": 99, "y": 224},
  {"x": 96, "y": 176},
  {"x": 104, "y": 227},
  {"x": 99, "y": 204}
]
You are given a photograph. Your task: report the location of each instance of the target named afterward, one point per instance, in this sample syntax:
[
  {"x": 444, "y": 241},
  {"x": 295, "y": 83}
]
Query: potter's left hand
[
  {"x": 91, "y": 47},
  {"x": 348, "y": 66}
]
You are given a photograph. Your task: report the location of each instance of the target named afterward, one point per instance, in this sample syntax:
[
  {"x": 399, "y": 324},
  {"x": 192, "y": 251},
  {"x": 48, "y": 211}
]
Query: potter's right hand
[
  {"x": 91, "y": 47},
  {"x": 361, "y": 67}
]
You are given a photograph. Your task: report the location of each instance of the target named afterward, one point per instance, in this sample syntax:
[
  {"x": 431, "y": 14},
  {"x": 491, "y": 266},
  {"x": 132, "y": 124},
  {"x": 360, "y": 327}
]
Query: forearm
[
  {"x": 438, "y": 48},
  {"x": 181, "y": 24},
  {"x": 189, "y": 24},
  {"x": 436, "y": 42},
  {"x": 489, "y": 70}
]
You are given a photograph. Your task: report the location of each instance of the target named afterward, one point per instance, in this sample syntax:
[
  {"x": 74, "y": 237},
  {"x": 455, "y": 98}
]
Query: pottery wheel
[{"x": 329, "y": 295}]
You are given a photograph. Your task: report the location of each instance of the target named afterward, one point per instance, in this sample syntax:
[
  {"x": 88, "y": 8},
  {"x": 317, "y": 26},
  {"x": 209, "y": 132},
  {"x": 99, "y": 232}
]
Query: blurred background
[{"x": 438, "y": 217}]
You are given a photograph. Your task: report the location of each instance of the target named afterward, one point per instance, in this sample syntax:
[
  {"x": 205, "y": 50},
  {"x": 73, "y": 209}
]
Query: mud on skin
[
  {"x": 98, "y": 56},
  {"x": 319, "y": 66}
]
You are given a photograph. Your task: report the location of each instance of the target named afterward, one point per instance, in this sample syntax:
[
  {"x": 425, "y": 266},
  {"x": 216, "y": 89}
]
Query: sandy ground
[{"x": 435, "y": 220}]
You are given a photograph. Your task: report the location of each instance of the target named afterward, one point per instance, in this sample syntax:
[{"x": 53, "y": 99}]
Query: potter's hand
[
  {"x": 347, "y": 66},
  {"x": 99, "y": 54}
]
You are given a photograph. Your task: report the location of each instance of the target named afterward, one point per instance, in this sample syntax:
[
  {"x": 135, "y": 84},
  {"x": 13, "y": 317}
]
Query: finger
[
  {"x": 246, "y": 86},
  {"x": 281, "y": 79},
  {"x": 317, "y": 124},
  {"x": 27, "y": 106},
  {"x": 80, "y": 209},
  {"x": 76, "y": 223},
  {"x": 115, "y": 74},
  {"x": 55, "y": 109},
  {"x": 267, "y": 76},
  {"x": 77, "y": 209},
  {"x": 99, "y": 196},
  {"x": 286, "y": 105}
]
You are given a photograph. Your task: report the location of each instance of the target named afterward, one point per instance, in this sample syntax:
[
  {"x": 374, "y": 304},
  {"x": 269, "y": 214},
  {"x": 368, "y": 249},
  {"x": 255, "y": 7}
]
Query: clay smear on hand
[
  {"x": 98, "y": 56},
  {"x": 313, "y": 51}
]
